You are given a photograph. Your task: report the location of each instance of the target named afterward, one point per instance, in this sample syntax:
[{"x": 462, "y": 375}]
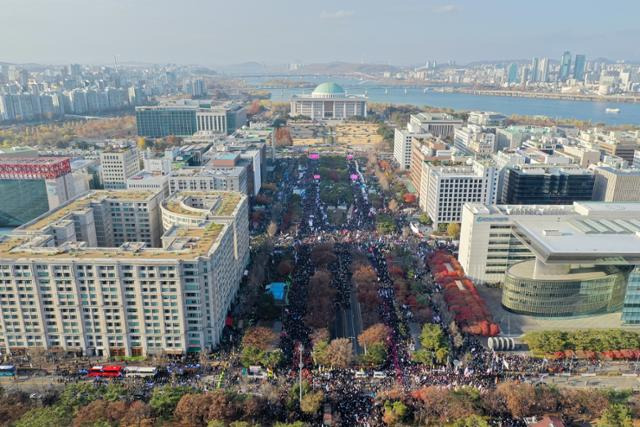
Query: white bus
[{"x": 140, "y": 371}]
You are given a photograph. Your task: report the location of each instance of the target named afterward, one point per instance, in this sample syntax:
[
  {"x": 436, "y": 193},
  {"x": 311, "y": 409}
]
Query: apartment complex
[
  {"x": 99, "y": 276},
  {"x": 118, "y": 164}
]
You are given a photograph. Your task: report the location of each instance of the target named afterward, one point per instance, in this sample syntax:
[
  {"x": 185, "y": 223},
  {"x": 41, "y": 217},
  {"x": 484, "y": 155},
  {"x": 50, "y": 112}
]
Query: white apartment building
[
  {"x": 119, "y": 163},
  {"x": 445, "y": 189},
  {"x": 67, "y": 284}
]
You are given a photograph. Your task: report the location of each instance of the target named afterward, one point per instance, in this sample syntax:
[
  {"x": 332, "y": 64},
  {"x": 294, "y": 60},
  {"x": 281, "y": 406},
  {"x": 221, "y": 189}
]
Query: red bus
[{"x": 106, "y": 371}]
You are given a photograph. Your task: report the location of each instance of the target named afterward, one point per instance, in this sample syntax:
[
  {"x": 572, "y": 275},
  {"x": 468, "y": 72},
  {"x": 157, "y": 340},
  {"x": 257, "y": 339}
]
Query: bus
[
  {"x": 106, "y": 371},
  {"x": 140, "y": 371},
  {"x": 7, "y": 371}
]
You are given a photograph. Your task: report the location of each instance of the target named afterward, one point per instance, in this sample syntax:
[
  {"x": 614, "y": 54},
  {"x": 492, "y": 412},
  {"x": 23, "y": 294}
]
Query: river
[{"x": 565, "y": 109}]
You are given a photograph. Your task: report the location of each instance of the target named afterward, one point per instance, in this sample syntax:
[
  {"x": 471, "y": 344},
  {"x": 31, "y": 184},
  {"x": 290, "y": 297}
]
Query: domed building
[{"x": 329, "y": 101}]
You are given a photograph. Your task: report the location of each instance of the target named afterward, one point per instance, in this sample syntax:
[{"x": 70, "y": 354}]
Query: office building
[
  {"x": 423, "y": 150},
  {"x": 546, "y": 185},
  {"x": 146, "y": 180},
  {"x": 475, "y": 139},
  {"x": 119, "y": 162},
  {"x": 616, "y": 185},
  {"x": 437, "y": 124},
  {"x": 579, "y": 67},
  {"x": 445, "y": 189},
  {"x": 329, "y": 101},
  {"x": 402, "y": 139},
  {"x": 98, "y": 275},
  {"x": 209, "y": 178},
  {"x": 162, "y": 121},
  {"x": 487, "y": 119},
  {"x": 543, "y": 70},
  {"x": 565, "y": 67},
  {"x": 512, "y": 73},
  {"x": 557, "y": 261},
  {"x": 30, "y": 186},
  {"x": 535, "y": 65},
  {"x": 186, "y": 117}
]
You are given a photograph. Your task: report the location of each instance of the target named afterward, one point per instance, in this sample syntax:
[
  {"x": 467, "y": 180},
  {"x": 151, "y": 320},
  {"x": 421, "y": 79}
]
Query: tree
[
  {"x": 341, "y": 352},
  {"x": 424, "y": 219},
  {"x": 193, "y": 409},
  {"x": 393, "y": 205},
  {"x": 320, "y": 353},
  {"x": 49, "y": 416},
  {"x": 583, "y": 406},
  {"x": 311, "y": 402},
  {"x": 519, "y": 398},
  {"x": 470, "y": 421},
  {"x": 164, "y": 400},
  {"x": 285, "y": 267},
  {"x": 442, "y": 227},
  {"x": 617, "y": 415},
  {"x": 394, "y": 412},
  {"x": 433, "y": 339},
  {"x": 375, "y": 355},
  {"x": 138, "y": 415},
  {"x": 453, "y": 230},
  {"x": 259, "y": 337},
  {"x": 222, "y": 406},
  {"x": 377, "y": 333}
]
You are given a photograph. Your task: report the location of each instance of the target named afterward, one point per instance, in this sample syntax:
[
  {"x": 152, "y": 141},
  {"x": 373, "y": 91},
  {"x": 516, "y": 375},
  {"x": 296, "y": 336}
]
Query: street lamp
[{"x": 300, "y": 366}]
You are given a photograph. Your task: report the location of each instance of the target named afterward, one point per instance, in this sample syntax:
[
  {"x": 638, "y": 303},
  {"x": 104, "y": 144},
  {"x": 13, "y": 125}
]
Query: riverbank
[{"x": 549, "y": 95}]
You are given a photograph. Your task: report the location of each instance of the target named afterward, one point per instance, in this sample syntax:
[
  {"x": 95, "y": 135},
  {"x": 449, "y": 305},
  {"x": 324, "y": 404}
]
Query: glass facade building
[
  {"x": 547, "y": 188},
  {"x": 631, "y": 309},
  {"x": 159, "y": 122},
  {"x": 22, "y": 200},
  {"x": 582, "y": 291}
]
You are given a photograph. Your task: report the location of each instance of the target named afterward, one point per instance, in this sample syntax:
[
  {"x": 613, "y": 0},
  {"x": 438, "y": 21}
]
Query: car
[
  {"x": 379, "y": 374},
  {"x": 361, "y": 374}
]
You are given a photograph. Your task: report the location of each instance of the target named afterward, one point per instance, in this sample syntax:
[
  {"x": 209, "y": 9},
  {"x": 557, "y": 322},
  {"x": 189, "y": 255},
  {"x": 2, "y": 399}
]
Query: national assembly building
[{"x": 329, "y": 101}]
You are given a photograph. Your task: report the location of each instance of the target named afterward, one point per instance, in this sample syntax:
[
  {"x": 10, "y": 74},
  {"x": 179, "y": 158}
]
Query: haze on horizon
[{"x": 284, "y": 31}]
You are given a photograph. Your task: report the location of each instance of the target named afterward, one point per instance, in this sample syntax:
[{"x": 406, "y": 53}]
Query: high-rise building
[
  {"x": 445, "y": 189},
  {"x": 512, "y": 73},
  {"x": 198, "y": 88},
  {"x": 119, "y": 162},
  {"x": 533, "y": 75},
  {"x": 112, "y": 283},
  {"x": 579, "y": 67},
  {"x": 543, "y": 70},
  {"x": 546, "y": 185},
  {"x": 616, "y": 185},
  {"x": 565, "y": 67}
]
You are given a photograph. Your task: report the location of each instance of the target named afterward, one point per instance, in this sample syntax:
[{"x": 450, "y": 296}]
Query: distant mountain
[{"x": 346, "y": 68}]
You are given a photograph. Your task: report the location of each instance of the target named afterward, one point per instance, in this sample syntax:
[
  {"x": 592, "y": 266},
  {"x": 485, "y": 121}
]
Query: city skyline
[{"x": 158, "y": 32}]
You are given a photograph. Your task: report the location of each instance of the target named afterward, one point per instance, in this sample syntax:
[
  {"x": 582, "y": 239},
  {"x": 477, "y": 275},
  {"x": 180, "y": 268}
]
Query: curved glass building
[{"x": 578, "y": 291}]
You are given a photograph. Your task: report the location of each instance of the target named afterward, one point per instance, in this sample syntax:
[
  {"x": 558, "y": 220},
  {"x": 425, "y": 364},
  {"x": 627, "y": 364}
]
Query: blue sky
[{"x": 212, "y": 32}]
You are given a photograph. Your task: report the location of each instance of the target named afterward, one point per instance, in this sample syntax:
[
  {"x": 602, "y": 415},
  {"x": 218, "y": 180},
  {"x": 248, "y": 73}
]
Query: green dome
[{"x": 328, "y": 88}]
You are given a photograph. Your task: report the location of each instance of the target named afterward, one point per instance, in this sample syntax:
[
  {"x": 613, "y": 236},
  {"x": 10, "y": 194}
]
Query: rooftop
[{"x": 328, "y": 88}]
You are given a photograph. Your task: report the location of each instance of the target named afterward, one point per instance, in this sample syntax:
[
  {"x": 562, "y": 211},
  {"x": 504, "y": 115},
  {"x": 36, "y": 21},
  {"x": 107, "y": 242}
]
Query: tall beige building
[
  {"x": 616, "y": 185},
  {"x": 119, "y": 163},
  {"x": 99, "y": 275}
]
